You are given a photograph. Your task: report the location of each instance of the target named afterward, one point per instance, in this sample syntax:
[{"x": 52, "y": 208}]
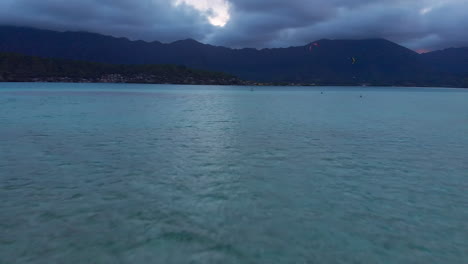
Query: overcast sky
[{"x": 417, "y": 24}]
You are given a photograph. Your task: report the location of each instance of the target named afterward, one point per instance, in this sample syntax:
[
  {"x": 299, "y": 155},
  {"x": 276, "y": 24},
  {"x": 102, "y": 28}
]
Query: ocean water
[{"x": 95, "y": 173}]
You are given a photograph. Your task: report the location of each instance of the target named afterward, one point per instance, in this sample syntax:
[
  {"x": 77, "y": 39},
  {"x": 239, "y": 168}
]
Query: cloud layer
[{"x": 417, "y": 24}]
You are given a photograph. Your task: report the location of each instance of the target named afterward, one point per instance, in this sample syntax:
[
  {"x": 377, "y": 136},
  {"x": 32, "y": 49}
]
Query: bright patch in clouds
[
  {"x": 426, "y": 10},
  {"x": 433, "y": 4},
  {"x": 217, "y": 11}
]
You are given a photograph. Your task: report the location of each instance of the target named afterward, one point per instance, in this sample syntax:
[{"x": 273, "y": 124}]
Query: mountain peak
[{"x": 187, "y": 41}]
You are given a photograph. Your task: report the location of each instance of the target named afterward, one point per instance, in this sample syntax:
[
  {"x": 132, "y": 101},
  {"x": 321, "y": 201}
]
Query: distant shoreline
[
  {"x": 244, "y": 84},
  {"x": 16, "y": 67}
]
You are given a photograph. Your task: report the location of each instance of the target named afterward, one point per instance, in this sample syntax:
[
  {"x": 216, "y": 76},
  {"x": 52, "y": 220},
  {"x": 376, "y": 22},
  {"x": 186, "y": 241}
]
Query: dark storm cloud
[
  {"x": 418, "y": 24},
  {"x": 136, "y": 19}
]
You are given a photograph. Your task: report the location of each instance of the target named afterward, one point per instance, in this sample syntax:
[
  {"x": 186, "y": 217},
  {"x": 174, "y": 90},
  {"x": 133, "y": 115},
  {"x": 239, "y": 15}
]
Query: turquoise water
[{"x": 184, "y": 174}]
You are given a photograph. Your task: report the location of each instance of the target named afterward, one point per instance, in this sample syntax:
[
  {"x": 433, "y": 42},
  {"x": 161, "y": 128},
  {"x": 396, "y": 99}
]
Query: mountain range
[{"x": 322, "y": 62}]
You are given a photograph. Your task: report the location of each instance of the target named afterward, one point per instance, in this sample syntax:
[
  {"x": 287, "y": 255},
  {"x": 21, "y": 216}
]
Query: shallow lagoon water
[{"x": 108, "y": 173}]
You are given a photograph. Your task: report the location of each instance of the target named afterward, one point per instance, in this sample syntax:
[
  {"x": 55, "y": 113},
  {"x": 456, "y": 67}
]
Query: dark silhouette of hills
[
  {"x": 325, "y": 62},
  {"x": 20, "y": 68},
  {"x": 453, "y": 60}
]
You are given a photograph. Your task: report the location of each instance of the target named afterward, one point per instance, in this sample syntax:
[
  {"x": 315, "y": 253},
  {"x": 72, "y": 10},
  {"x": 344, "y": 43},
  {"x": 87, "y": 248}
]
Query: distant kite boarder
[{"x": 315, "y": 44}]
